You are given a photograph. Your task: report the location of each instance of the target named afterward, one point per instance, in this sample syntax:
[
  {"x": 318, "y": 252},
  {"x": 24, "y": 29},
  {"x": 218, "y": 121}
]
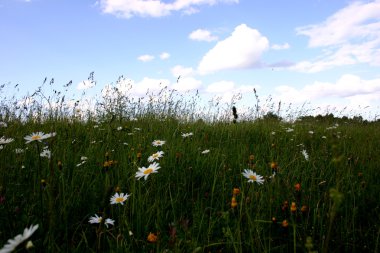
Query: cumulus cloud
[
  {"x": 164, "y": 56},
  {"x": 154, "y": 8},
  {"x": 349, "y": 87},
  {"x": 86, "y": 84},
  {"x": 350, "y": 36},
  {"x": 187, "y": 84},
  {"x": 242, "y": 49},
  {"x": 145, "y": 58},
  {"x": 202, "y": 35}
]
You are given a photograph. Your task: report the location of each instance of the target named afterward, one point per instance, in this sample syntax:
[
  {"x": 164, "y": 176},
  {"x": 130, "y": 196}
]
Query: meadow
[{"x": 155, "y": 177}]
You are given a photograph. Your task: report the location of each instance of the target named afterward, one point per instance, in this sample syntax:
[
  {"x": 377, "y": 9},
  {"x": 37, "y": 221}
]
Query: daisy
[
  {"x": 157, "y": 143},
  {"x": 46, "y": 153},
  {"x": 119, "y": 198},
  {"x": 13, "y": 243},
  {"x": 155, "y": 156},
  {"x": 38, "y": 136},
  {"x": 305, "y": 154},
  {"x": 4, "y": 140},
  {"x": 206, "y": 151},
  {"x": 96, "y": 220},
  {"x": 185, "y": 135},
  {"x": 145, "y": 172},
  {"x": 253, "y": 177}
]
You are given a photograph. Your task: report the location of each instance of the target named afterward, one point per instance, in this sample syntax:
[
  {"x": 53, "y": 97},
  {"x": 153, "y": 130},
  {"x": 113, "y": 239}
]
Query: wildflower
[
  {"x": 304, "y": 153},
  {"x": 145, "y": 172},
  {"x": 46, "y": 153},
  {"x": 29, "y": 245},
  {"x": 119, "y": 198},
  {"x": 43, "y": 183},
  {"x": 273, "y": 133},
  {"x": 185, "y": 135},
  {"x": 274, "y": 166},
  {"x": 4, "y": 140},
  {"x": 206, "y": 151},
  {"x": 152, "y": 237},
  {"x": 253, "y": 177},
  {"x": 293, "y": 207},
  {"x": 236, "y": 191},
  {"x": 137, "y": 129},
  {"x": 324, "y": 137},
  {"x": 155, "y": 156},
  {"x": 311, "y": 132},
  {"x": 288, "y": 130},
  {"x": 251, "y": 157},
  {"x": 16, "y": 241},
  {"x": 297, "y": 187},
  {"x": 38, "y": 136},
  {"x": 139, "y": 156},
  {"x": 304, "y": 209},
  {"x": 274, "y": 220},
  {"x": 284, "y": 223},
  {"x": 233, "y": 202},
  {"x": 3, "y": 124},
  {"x": 119, "y": 128},
  {"x": 96, "y": 220},
  {"x": 157, "y": 143}
]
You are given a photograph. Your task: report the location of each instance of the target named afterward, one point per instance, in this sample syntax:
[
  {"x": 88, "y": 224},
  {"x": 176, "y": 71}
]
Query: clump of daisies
[{"x": 98, "y": 219}]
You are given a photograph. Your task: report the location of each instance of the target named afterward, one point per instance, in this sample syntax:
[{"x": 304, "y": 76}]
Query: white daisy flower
[
  {"x": 119, "y": 198},
  {"x": 46, "y": 153},
  {"x": 305, "y": 154},
  {"x": 19, "y": 151},
  {"x": 253, "y": 177},
  {"x": 119, "y": 128},
  {"x": 4, "y": 140},
  {"x": 3, "y": 124},
  {"x": 156, "y": 156},
  {"x": 13, "y": 243},
  {"x": 157, "y": 143},
  {"x": 97, "y": 219},
  {"x": 38, "y": 136},
  {"x": 185, "y": 135},
  {"x": 145, "y": 172},
  {"x": 206, "y": 151}
]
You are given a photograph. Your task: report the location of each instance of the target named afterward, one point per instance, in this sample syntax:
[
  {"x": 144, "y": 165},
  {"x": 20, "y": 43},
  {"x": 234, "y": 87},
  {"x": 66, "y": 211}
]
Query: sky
[{"x": 320, "y": 52}]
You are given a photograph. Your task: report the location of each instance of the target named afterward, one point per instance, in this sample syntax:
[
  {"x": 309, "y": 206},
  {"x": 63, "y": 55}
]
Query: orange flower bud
[
  {"x": 233, "y": 202},
  {"x": 152, "y": 237},
  {"x": 236, "y": 191},
  {"x": 297, "y": 187},
  {"x": 284, "y": 223},
  {"x": 293, "y": 207}
]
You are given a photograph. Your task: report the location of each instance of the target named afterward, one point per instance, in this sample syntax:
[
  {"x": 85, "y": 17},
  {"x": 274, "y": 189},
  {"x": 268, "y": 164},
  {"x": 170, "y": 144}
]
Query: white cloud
[
  {"x": 202, "y": 35},
  {"x": 228, "y": 91},
  {"x": 182, "y": 71},
  {"x": 242, "y": 49},
  {"x": 86, "y": 84},
  {"x": 187, "y": 83},
  {"x": 280, "y": 47},
  {"x": 154, "y": 8},
  {"x": 220, "y": 87},
  {"x": 350, "y": 36},
  {"x": 350, "y": 88},
  {"x": 164, "y": 56},
  {"x": 145, "y": 58}
]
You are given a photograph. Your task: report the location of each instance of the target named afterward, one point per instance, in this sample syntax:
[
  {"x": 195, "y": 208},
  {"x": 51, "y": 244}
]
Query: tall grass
[{"x": 325, "y": 201}]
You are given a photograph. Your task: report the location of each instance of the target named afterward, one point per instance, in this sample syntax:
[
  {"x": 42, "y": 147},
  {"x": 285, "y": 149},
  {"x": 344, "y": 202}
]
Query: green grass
[{"x": 187, "y": 204}]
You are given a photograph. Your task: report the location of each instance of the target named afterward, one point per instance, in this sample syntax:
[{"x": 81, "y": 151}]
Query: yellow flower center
[
  {"x": 155, "y": 155},
  {"x": 148, "y": 171},
  {"x": 119, "y": 200},
  {"x": 252, "y": 177},
  {"x": 158, "y": 142},
  {"x": 36, "y": 137}
]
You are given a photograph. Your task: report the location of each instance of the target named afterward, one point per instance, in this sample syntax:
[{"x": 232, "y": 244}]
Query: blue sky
[{"x": 323, "y": 52}]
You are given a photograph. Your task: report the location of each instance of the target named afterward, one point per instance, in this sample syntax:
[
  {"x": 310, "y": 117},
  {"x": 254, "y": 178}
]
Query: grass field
[{"x": 316, "y": 186}]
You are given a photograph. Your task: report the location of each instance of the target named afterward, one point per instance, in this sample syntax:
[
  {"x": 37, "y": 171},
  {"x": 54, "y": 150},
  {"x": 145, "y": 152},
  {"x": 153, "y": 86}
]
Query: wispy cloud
[
  {"x": 145, "y": 58},
  {"x": 154, "y": 8},
  {"x": 350, "y": 36},
  {"x": 280, "y": 47},
  {"x": 202, "y": 35},
  {"x": 242, "y": 49}
]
